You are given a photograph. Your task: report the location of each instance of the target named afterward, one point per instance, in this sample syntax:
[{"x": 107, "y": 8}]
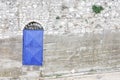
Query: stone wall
[
  {"x": 58, "y": 16},
  {"x": 76, "y": 39},
  {"x": 74, "y": 54}
]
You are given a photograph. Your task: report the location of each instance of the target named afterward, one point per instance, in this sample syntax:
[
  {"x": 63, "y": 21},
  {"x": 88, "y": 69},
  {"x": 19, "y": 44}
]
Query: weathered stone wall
[
  {"x": 73, "y": 53},
  {"x": 58, "y": 16},
  {"x": 76, "y": 39}
]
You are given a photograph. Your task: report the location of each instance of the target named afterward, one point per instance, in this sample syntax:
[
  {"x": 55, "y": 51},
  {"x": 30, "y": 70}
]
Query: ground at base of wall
[{"x": 102, "y": 76}]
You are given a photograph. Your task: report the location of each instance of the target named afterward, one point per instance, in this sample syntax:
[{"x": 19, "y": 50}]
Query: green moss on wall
[{"x": 97, "y": 9}]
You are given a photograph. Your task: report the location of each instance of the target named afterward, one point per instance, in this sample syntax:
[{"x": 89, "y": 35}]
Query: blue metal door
[{"x": 32, "y": 47}]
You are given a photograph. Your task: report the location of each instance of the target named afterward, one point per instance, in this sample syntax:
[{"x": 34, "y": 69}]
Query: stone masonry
[{"x": 76, "y": 39}]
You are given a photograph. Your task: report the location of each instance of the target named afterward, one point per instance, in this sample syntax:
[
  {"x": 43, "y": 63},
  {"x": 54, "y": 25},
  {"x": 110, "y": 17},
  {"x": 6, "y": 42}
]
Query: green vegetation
[{"x": 97, "y": 9}]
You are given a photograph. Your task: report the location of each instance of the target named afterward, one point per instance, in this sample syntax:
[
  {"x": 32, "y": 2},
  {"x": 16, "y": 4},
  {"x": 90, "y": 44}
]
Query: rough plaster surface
[
  {"x": 64, "y": 55},
  {"x": 78, "y": 41}
]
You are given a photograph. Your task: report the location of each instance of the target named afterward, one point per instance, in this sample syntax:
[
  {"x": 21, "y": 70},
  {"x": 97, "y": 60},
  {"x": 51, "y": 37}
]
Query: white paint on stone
[
  {"x": 7, "y": 64},
  {"x": 45, "y": 12}
]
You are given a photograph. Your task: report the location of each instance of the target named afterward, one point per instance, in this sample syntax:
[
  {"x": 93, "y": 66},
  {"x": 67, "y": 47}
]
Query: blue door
[{"x": 32, "y": 47}]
